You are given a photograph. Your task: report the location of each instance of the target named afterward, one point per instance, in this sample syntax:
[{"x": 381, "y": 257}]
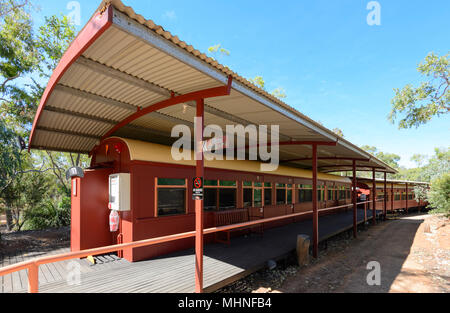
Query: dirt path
[{"x": 413, "y": 253}]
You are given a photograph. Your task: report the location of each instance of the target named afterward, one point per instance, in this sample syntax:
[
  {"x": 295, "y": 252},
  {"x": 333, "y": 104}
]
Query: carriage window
[
  {"x": 397, "y": 196},
  {"x": 342, "y": 193},
  {"x": 211, "y": 192},
  {"x": 227, "y": 199},
  {"x": 304, "y": 193},
  {"x": 257, "y": 194},
  {"x": 289, "y": 194},
  {"x": 330, "y": 193},
  {"x": 320, "y": 193},
  {"x": 210, "y": 200},
  {"x": 257, "y": 197},
  {"x": 227, "y": 195},
  {"x": 171, "y": 196},
  {"x": 171, "y": 182},
  {"x": 247, "y": 194},
  {"x": 227, "y": 183},
  {"x": 267, "y": 193},
  {"x": 281, "y": 193}
]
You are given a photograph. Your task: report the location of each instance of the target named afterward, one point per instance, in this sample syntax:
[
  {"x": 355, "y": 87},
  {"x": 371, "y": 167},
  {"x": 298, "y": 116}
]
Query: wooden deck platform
[{"x": 223, "y": 264}]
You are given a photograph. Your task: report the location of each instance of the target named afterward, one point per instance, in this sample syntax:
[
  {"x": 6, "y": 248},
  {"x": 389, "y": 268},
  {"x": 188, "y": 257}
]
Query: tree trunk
[{"x": 9, "y": 220}]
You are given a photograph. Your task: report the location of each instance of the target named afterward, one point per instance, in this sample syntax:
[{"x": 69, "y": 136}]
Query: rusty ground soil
[
  {"x": 413, "y": 252},
  {"x": 12, "y": 243}
]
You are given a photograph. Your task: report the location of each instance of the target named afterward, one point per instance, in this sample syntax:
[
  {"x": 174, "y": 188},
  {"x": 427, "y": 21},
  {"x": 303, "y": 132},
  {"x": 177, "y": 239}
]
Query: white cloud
[{"x": 171, "y": 15}]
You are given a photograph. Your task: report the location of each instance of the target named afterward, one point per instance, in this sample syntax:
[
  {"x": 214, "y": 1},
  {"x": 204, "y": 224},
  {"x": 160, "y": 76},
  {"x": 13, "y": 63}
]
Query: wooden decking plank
[
  {"x": 16, "y": 282},
  {"x": 135, "y": 273},
  {"x": 23, "y": 273}
]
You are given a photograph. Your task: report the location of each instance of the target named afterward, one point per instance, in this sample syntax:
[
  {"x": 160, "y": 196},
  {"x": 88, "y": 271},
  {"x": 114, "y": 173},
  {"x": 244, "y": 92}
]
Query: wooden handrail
[{"x": 33, "y": 265}]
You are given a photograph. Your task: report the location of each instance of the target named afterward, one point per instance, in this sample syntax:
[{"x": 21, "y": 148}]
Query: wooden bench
[{"x": 230, "y": 217}]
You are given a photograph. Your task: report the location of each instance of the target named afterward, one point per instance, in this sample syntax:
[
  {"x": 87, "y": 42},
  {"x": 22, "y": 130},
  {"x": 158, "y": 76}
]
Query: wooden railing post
[
  {"x": 33, "y": 278},
  {"x": 365, "y": 213}
]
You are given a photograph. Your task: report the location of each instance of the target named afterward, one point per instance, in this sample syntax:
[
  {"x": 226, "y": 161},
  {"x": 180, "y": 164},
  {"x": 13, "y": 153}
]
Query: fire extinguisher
[{"x": 114, "y": 219}]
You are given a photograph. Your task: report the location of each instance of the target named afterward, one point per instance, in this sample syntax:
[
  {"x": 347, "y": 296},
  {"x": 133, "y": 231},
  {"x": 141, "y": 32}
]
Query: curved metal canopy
[{"x": 121, "y": 63}]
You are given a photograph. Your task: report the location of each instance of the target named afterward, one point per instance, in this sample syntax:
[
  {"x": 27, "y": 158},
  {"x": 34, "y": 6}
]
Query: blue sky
[{"x": 334, "y": 67}]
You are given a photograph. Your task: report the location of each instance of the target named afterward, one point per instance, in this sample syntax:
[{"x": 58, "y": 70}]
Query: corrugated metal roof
[{"x": 134, "y": 64}]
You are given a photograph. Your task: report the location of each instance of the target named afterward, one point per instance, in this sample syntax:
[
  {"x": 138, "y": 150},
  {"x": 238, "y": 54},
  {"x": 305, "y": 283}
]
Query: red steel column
[
  {"x": 392, "y": 197},
  {"x": 374, "y": 198},
  {"x": 355, "y": 212},
  {"x": 199, "y": 171},
  {"x": 385, "y": 197},
  {"x": 314, "y": 198},
  {"x": 406, "y": 198}
]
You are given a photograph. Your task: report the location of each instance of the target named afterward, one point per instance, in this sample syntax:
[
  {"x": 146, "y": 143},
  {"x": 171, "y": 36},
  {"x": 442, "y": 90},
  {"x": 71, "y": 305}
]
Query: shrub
[
  {"x": 439, "y": 195},
  {"x": 47, "y": 215}
]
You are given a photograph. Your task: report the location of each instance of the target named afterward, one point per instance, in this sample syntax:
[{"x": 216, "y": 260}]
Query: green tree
[
  {"x": 439, "y": 195},
  {"x": 218, "y": 49},
  {"x": 338, "y": 132},
  {"x": 24, "y": 194},
  {"x": 418, "y": 105},
  {"x": 259, "y": 81},
  {"x": 10, "y": 164},
  {"x": 390, "y": 159},
  {"x": 27, "y": 59}
]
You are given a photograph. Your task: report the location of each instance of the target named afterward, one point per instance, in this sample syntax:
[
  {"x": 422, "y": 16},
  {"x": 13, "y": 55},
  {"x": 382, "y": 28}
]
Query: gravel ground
[
  {"x": 35, "y": 240},
  {"x": 266, "y": 280}
]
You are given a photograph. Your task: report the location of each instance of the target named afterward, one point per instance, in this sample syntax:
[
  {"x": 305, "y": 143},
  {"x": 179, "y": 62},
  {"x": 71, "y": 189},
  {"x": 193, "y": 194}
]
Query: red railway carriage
[
  {"x": 400, "y": 195},
  {"x": 161, "y": 196}
]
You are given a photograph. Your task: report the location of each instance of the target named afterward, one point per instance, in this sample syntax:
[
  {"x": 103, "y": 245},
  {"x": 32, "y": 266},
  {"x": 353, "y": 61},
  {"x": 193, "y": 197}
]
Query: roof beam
[
  {"x": 101, "y": 120},
  {"x": 200, "y": 94},
  {"x": 67, "y": 132},
  {"x": 327, "y": 158},
  {"x": 119, "y": 75},
  {"x": 344, "y": 166},
  {"x": 80, "y": 115},
  {"x": 115, "y": 103},
  {"x": 93, "y": 97}
]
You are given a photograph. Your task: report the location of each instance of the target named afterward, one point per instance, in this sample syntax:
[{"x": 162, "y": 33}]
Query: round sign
[{"x": 198, "y": 182}]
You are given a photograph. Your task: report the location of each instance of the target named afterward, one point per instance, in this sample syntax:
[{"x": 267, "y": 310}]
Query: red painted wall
[{"x": 90, "y": 214}]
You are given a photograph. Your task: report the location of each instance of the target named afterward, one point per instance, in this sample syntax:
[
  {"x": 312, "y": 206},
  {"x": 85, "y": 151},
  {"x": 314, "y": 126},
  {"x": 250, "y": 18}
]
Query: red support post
[
  {"x": 199, "y": 171},
  {"x": 365, "y": 213},
  {"x": 392, "y": 197},
  {"x": 374, "y": 199},
  {"x": 406, "y": 198},
  {"x": 314, "y": 198},
  {"x": 385, "y": 197},
  {"x": 355, "y": 212}
]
